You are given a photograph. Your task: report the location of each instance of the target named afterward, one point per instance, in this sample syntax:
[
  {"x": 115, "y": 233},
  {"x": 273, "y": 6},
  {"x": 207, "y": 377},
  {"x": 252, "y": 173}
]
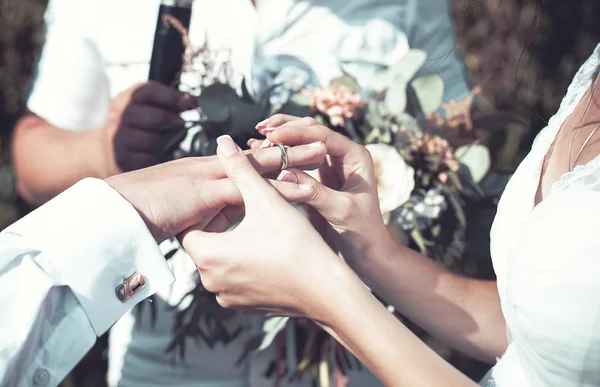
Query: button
[
  {"x": 41, "y": 377},
  {"x": 130, "y": 287}
]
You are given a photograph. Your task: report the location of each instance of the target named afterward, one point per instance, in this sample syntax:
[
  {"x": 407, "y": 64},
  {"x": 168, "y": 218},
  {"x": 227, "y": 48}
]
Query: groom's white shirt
[{"x": 58, "y": 294}]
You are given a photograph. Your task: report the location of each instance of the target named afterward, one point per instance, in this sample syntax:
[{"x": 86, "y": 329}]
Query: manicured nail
[
  {"x": 315, "y": 144},
  {"x": 265, "y": 144},
  {"x": 287, "y": 176},
  {"x": 264, "y": 131},
  {"x": 306, "y": 187},
  {"x": 227, "y": 146},
  {"x": 262, "y": 124}
]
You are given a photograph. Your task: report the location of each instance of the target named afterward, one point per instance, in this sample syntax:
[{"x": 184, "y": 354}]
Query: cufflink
[{"x": 130, "y": 287}]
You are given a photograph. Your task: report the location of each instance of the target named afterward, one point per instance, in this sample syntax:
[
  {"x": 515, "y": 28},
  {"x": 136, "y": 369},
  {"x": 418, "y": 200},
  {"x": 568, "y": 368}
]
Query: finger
[
  {"x": 254, "y": 143},
  {"x": 137, "y": 140},
  {"x": 305, "y": 157},
  {"x": 151, "y": 118},
  {"x": 337, "y": 144},
  {"x": 276, "y": 121},
  {"x": 157, "y": 94},
  {"x": 254, "y": 189},
  {"x": 323, "y": 199},
  {"x": 204, "y": 247},
  {"x": 224, "y": 219},
  {"x": 288, "y": 187}
]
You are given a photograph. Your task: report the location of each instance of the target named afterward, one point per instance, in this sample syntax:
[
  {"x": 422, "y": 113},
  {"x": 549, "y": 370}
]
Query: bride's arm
[
  {"x": 463, "y": 312},
  {"x": 379, "y": 340}
]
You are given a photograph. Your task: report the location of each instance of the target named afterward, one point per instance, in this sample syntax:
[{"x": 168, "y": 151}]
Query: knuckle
[
  {"x": 309, "y": 121},
  {"x": 277, "y": 117},
  {"x": 224, "y": 302},
  {"x": 345, "y": 205},
  {"x": 364, "y": 153},
  {"x": 208, "y": 283}
]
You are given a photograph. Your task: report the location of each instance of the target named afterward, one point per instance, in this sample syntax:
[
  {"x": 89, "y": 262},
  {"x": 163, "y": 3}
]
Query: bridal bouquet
[{"x": 429, "y": 158}]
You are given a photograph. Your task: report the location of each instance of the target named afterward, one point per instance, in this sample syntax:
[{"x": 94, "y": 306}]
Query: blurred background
[{"x": 521, "y": 66}]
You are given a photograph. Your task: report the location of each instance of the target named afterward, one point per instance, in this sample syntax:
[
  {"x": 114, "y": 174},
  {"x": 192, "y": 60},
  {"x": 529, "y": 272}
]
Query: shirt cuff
[{"x": 92, "y": 240}]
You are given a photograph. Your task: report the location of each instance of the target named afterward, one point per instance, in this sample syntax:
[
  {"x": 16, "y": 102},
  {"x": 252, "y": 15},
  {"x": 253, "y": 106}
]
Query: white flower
[{"x": 395, "y": 179}]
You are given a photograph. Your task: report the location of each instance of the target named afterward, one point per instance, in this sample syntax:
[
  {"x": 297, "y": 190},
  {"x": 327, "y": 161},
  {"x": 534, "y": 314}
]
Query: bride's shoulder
[{"x": 577, "y": 89}]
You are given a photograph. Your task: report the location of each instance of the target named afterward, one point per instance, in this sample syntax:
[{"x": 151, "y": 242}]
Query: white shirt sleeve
[
  {"x": 70, "y": 87},
  {"x": 59, "y": 270}
]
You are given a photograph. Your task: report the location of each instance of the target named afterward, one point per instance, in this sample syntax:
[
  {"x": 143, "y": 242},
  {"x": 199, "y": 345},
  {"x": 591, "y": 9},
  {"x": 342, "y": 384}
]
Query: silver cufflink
[{"x": 130, "y": 287}]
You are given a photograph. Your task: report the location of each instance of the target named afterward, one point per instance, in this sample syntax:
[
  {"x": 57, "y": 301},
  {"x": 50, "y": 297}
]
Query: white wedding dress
[{"x": 547, "y": 260}]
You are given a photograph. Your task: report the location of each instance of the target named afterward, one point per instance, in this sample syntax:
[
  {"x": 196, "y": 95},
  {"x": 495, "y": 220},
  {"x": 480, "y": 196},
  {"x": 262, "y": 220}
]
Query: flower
[
  {"x": 395, "y": 179},
  {"x": 433, "y": 204},
  {"x": 436, "y": 145},
  {"x": 338, "y": 103}
]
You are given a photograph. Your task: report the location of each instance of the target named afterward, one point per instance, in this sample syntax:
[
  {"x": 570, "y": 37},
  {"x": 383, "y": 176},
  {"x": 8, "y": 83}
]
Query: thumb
[
  {"x": 204, "y": 247},
  {"x": 252, "y": 186},
  {"x": 326, "y": 201}
]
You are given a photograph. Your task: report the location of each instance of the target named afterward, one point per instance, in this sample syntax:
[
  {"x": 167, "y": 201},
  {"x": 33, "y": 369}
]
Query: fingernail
[
  {"x": 251, "y": 141},
  {"x": 306, "y": 187},
  {"x": 265, "y": 144},
  {"x": 287, "y": 176},
  {"x": 315, "y": 144},
  {"x": 264, "y": 131},
  {"x": 227, "y": 146},
  {"x": 262, "y": 124}
]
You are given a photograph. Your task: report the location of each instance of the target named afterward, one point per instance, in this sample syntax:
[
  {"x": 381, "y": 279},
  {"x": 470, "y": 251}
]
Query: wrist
[
  {"x": 101, "y": 157},
  {"x": 374, "y": 255},
  {"x": 337, "y": 294}
]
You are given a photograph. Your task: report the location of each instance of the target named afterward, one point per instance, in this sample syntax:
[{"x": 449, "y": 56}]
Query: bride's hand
[
  {"x": 273, "y": 262},
  {"x": 347, "y": 194}
]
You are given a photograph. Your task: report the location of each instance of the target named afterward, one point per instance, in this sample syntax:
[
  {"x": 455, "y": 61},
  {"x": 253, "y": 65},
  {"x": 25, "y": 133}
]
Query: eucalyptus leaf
[
  {"x": 476, "y": 158},
  {"x": 395, "y": 96},
  {"x": 410, "y": 63},
  {"x": 348, "y": 81},
  {"x": 430, "y": 92},
  {"x": 271, "y": 328},
  {"x": 406, "y": 67}
]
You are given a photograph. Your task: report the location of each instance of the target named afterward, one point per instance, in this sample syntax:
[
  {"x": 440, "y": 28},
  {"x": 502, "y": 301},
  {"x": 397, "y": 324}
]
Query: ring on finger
[{"x": 284, "y": 155}]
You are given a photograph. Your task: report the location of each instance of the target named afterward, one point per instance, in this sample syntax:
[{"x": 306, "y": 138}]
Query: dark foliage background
[{"x": 492, "y": 34}]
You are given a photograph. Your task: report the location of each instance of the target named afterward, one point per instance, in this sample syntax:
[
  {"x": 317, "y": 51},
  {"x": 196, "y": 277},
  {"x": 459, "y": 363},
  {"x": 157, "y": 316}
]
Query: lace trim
[
  {"x": 581, "y": 83},
  {"x": 508, "y": 371}
]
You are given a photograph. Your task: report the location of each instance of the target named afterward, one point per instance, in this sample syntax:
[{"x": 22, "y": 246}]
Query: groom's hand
[
  {"x": 174, "y": 196},
  {"x": 140, "y": 119}
]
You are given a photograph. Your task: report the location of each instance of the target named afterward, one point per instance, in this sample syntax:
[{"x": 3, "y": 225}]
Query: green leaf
[
  {"x": 418, "y": 239},
  {"x": 409, "y": 64},
  {"x": 430, "y": 92},
  {"x": 395, "y": 97},
  {"x": 348, "y": 81},
  {"x": 271, "y": 328},
  {"x": 406, "y": 67},
  {"x": 476, "y": 158}
]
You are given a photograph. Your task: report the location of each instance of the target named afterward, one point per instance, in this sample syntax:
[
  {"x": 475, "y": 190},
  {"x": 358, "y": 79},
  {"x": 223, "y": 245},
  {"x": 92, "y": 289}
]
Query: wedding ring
[{"x": 284, "y": 155}]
